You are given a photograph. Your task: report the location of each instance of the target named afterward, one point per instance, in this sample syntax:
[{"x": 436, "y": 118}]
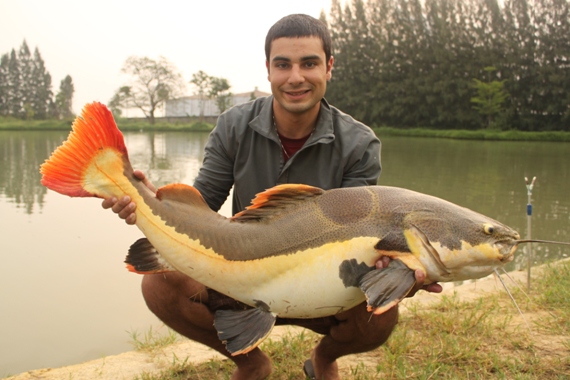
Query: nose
[{"x": 296, "y": 75}]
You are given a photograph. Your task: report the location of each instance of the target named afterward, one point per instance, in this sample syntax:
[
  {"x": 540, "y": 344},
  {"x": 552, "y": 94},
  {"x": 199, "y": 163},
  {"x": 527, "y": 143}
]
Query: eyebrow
[{"x": 303, "y": 59}]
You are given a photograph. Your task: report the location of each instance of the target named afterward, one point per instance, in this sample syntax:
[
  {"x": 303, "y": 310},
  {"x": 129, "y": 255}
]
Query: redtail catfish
[{"x": 297, "y": 252}]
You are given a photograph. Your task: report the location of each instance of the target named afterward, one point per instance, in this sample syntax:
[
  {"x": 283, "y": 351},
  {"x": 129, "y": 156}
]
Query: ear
[
  {"x": 267, "y": 67},
  {"x": 329, "y": 68}
]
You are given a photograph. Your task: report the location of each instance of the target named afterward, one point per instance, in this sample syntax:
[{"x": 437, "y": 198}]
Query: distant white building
[{"x": 191, "y": 105}]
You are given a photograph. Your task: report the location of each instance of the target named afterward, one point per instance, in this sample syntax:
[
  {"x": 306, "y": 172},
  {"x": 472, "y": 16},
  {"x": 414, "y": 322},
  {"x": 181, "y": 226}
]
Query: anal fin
[
  {"x": 385, "y": 288},
  {"x": 143, "y": 258},
  {"x": 243, "y": 330}
]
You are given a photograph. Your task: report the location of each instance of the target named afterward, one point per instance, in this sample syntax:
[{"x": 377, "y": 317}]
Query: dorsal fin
[
  {"x": 279, "y": 197},
  {"x": 182, "y": 193}
]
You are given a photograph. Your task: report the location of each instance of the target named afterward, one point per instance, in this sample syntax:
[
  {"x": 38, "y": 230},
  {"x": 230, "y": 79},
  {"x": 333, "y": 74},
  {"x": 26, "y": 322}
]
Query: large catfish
[{"x": 298, "y": 251}]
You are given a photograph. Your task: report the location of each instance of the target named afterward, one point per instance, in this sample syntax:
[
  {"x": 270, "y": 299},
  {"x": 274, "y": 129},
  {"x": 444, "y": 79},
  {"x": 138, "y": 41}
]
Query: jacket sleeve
[
  {"x": 215, "y": 178},
  {"x": 366, "y": 168}
]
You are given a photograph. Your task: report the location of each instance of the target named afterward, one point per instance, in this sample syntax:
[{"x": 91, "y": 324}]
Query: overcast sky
[{"x": 90, "y": 40}]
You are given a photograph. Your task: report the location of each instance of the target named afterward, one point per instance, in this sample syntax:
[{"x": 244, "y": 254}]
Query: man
[{"x": 293, "y": 136}]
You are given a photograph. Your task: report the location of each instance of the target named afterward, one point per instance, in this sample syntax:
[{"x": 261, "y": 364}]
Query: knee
[
  {"x": 370, "y": 331},
  {"x": 380, "y": 327},
  {"x": 165, "y": 292},
  {"x": 154, "y": 291}
]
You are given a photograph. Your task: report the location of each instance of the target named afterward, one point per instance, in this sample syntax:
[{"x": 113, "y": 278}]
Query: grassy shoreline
[
  {"x": 482, "y": 134},
  {"x": 452, "y": 338},
  {"x": 10, "y": 124}
]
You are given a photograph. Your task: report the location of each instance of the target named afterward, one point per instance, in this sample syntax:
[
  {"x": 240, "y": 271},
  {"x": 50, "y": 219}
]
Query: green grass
[
  {"x": 142, "y": 125},
  {"x": 483, "y": 134},
  {"x": 9, "y": 123},
  {"x": 13, "y": 124},
  {"x": 153, "y": 339},
  {"x": 451, "y": 339},
  {"x": 198, "y": 126}
]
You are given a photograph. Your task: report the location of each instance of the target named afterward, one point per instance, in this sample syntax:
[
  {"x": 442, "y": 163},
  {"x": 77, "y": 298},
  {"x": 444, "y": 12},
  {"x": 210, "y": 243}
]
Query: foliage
[
  {"x": 412, "y": 63},
  {"x": 201, "y": 82},
  {"x": 64, "y": 98},
  {"x": 491, "y": 96},
  {"x": 151, "y": 83},
  {"x": 120, "y": 100},
  {"x": 25, "y": 85},
  {"x": 219, "y": 90},
  {"x": 209, "y": 87}
]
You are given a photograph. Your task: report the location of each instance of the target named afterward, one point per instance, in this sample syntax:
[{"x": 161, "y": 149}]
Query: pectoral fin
[
  {"x": 385, "y": 288},
  {"x": 421, "y": 246},
  {"x": 243, "y": 330},
  {"x": 143, "y": 258}
]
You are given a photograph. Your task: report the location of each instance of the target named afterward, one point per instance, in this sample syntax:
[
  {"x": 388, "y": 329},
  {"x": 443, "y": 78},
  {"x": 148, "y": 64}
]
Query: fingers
[
  {"x": 420, "y": 276},
  {"x": 109, "y": 202},
  {"x": 382, "y": 262},
  {"x": 131, "y": 219},
  {"x": 122, "y": 207},
  {"x": 141, "y": 176},
  {"x": 433, "y": 288}
]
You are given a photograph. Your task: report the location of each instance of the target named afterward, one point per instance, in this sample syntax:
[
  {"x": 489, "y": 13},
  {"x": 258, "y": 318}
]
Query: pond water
[{"x": 66, "y": 297}]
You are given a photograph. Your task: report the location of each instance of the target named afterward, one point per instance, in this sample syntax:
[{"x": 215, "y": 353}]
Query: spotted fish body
[{"x": 298, "y": 251}]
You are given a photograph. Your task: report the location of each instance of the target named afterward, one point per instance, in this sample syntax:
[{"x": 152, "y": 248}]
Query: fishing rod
[{"x": 529, "y": 187}]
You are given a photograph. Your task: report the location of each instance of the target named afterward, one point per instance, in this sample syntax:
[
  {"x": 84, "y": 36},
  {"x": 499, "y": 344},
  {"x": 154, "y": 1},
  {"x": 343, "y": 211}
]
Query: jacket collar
[{"x": 324, "y": 131}]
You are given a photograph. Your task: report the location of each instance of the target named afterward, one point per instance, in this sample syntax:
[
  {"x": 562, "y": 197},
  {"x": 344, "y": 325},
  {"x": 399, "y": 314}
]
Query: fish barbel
[{"x": 298, "y": 251}]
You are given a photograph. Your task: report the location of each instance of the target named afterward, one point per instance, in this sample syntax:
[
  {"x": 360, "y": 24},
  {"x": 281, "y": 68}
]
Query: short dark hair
[{"x": 299, "y": 25}]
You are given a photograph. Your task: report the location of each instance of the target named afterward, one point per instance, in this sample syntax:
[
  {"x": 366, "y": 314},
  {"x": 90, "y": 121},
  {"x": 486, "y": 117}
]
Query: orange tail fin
[{"x": 92, "y": 132}]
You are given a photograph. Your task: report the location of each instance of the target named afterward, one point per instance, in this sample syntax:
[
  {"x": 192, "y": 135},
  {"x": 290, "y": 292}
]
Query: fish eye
[{"x": 489, "y": 229}]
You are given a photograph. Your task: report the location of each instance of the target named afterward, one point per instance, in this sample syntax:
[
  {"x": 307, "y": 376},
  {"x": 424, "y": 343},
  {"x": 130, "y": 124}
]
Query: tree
[
  {"x": 14, "y": 104},
  {"x": 491, "y": 96},
  {"x": 201, "y": 81},
  {"x": 208, "y": 87},
  {"x": 26, "y": 68},
  {"x": 25, "y": 85},
  {"x": 219, "y": 90},
  {"x": 4, "y": 86},
  {"x": 40, "y": 96},
  {"x": 64, "y": 98},
  {"x": 152, "y": 83},
  {"x": 120, "y": 100}
]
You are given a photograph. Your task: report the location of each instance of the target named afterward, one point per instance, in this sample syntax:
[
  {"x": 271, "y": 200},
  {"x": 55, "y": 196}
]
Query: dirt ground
[{"x": 129, "y": 364}]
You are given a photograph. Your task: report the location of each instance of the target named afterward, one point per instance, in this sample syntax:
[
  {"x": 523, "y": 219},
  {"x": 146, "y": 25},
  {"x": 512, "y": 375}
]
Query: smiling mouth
[{"x": 297, "y": 93}]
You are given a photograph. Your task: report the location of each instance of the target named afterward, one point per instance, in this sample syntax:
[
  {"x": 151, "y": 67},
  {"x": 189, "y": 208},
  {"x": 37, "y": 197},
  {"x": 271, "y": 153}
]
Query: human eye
[
  {"x": 310, "y": 64},
  {"x": 282, "y": 65}
]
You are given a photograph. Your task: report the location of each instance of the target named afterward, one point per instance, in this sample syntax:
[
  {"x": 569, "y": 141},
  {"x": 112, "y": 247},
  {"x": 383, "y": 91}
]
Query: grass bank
[
  {"x": 482, "y": 134},
  {"x": 450, "y": 339},
  {"x": 11, "y": 124},
  {"x": 132, "y": 125}
]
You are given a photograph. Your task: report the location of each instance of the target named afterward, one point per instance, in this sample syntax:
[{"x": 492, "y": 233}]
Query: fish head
[{"x": 456, "y": 244}]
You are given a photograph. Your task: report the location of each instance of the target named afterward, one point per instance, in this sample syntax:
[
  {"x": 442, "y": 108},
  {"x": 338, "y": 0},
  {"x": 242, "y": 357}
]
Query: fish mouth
[
  {"x": 507, "y": 248},
  {"x": 510, "y": 246}
]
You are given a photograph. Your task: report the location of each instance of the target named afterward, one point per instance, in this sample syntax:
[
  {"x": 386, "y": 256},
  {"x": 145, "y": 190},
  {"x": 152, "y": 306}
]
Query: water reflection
[
  {"x": 67, "y": 298},
  {"x": 20, "y": 156},
  {"x": 167, "y": 157}
]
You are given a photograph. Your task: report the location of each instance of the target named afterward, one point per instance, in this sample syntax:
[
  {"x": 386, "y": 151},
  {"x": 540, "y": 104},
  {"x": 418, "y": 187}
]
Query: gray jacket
[{"x": 244, "y": 151}]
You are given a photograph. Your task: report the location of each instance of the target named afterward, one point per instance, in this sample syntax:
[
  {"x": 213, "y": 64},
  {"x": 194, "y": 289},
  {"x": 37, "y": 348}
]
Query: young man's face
[{"x": 298, "y": 72}]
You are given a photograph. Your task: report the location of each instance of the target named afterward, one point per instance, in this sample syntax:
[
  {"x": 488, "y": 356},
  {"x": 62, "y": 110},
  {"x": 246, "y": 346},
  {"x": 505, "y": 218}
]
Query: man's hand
[
  {"x": 420, "y": 278},
  {"x": 124, "y": 207}
]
